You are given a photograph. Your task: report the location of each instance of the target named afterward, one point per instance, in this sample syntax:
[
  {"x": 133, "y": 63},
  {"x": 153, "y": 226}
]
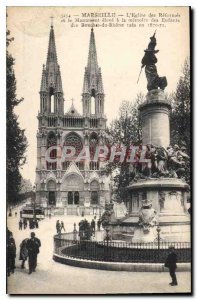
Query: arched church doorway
[
  {"x": 51, "y": 188},
  {"x": 70, "y": 198},
  {"x": 73, "y": 198},
  {"x": 74, "y": 186},
  {"x": 94, "y": 187}
]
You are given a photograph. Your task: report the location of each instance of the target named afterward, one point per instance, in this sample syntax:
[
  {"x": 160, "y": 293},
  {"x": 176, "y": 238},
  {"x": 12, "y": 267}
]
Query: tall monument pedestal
[
  {"x": 155, "y": 119},
  {"x": 168, "y": 196}
]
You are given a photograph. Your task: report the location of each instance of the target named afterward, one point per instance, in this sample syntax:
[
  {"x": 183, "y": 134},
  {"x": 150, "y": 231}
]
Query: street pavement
[{"x": 55, "y": 278}]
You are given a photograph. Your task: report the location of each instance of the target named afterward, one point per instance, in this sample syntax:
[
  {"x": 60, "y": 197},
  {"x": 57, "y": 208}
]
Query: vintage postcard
[{"x": 98, "y": 150}]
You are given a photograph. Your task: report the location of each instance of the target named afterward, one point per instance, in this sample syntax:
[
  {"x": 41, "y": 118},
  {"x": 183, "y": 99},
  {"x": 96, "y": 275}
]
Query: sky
[{"x": 119, "y": 52}]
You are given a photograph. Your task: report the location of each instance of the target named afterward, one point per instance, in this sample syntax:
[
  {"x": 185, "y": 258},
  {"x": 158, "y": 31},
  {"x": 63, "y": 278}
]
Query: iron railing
[{"x": 69, "y": 245}]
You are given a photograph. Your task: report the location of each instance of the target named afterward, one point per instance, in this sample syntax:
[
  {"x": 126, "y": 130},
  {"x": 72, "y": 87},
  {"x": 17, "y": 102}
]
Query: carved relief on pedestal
[{"x": 171, "y": 201}]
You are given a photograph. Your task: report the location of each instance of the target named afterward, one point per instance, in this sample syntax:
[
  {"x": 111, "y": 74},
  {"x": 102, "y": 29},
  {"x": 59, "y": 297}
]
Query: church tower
[
  {"x": 51, "y": 93},
  {"x": 93, "y": 93},
  {"x": 70, "y": 186}
]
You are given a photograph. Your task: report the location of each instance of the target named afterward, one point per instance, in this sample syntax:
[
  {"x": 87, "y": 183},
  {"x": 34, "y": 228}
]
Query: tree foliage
[
  {"x": 180, "y": 115},
  {"x": 124, "y": 130},
  {"x": 16, "y": 140},
  {"x": 180, "y": 118}
]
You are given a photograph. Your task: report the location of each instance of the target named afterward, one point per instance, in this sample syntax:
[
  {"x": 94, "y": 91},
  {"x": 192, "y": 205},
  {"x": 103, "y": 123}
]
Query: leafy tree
[
  {"x": 180, "y": 116},
  {"x": 16, "y": 140},
  {"x": 124, "y": 130},
  {"x": 26, "y": 186}
]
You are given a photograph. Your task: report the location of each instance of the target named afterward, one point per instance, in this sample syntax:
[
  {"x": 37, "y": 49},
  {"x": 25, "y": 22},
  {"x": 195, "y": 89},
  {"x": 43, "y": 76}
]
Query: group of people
[
  {"x": 33, "y": 223},
  {"x": 29, "y": 249},
  {"x": 87, "y": 229},
  {"x": 60, "y": 227},
  {"x": 10, "y": 213},
  {"x": 22, "y": 224}
]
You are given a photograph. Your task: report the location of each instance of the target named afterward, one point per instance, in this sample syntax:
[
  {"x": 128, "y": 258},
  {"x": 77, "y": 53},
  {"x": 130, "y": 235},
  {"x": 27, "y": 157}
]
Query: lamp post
[
  {"x": 34, "y": 200},
  {"x": 107, "y": 239},
  {"x": 75, "y": 233},
  {"x": 107, "y": 236}
]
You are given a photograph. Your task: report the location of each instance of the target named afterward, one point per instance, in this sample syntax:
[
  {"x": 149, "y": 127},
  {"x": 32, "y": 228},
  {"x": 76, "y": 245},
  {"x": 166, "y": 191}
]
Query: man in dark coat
[
  {"x": 20, "y": 225},
  {"x": 58, "y": 227},
  {"x": 25, "y": 223},
  {"x": 171, "y": 264},
  {"x": 11, "y": 253},
  {"x": 33, "y": 245}
]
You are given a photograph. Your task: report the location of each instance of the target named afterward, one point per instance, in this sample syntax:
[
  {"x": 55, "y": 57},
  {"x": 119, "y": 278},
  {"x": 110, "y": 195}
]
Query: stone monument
[{"x": 158, "y": 193}]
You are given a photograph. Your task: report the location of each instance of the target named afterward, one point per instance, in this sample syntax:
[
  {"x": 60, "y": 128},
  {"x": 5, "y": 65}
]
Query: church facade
[{"x": 70, "y": 186}]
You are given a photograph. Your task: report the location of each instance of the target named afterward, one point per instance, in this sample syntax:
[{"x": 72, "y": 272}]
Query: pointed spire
[
  {"x": 92, "y": 76},
  {"x": 52, "y": 55},
  {"x": 51, "y": 83},
  {"x": 59, "y": 81},
  {"x": 92, "y": 56},
  {"x": 52, "y": 20},
  {"x": 43, "y": 80},
  {"x": 100, "y": 83},
  {"x": 85, "y": 82}
]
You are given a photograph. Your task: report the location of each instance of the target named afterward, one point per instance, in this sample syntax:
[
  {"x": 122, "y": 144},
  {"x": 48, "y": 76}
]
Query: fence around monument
[{"x": 69, "y": 245}]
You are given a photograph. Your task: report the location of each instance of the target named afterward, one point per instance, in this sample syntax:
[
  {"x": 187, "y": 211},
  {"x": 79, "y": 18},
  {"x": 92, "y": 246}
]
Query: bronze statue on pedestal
[{"x": 148, "y": 61}]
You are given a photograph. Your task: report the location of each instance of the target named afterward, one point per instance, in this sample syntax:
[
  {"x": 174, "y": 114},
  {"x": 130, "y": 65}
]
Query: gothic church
[{"x": 69, "y": 187}]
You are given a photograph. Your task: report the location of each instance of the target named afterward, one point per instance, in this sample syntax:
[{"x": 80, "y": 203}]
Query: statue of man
[{"x": 148, "y": 61}]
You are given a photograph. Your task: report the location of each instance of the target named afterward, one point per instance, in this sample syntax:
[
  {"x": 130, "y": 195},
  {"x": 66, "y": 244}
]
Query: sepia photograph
[{"x": 98, "y": 150}]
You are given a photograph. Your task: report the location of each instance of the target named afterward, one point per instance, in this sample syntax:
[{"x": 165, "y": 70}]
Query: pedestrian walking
[
  {"x": 93, "y": 224},
  {"x": 25, "y": 223},
  {"x": 20, "y": 224},
  {"x": 33, "y": 245},
  {"x": 58, "y": 226},
  {"x": 99, "y": 224},
  {"x": 23, "y": 252},
  {"x": 36, "y": 223},
  {"x": 31, "y": 224},
  {"x": 62, "y": 226},
  {"x": 171, "y": 264},
  {"x": 11, "y": 254},
  {"x": 15, "y": 213}
]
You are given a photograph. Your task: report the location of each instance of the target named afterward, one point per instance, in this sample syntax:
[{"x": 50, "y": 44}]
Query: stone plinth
[
  {"x": 169, "y": 198},
  {"x": 142, "y": 236},
  {"x": 155, "y": 119}
]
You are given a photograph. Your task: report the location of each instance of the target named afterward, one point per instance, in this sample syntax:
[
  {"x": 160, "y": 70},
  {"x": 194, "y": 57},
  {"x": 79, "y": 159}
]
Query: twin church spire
[
  {"x": 93, "y": 93},
  {"x": 92, "y": 78},
  {"x": 51, "y": 92}
]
